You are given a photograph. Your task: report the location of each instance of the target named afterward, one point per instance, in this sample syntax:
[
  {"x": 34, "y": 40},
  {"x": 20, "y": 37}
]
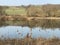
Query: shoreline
[{"x": 26, "y": 18}]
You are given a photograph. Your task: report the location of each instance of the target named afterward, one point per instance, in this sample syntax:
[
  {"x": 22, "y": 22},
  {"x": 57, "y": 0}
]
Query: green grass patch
[{"x": 16, "y": 11}]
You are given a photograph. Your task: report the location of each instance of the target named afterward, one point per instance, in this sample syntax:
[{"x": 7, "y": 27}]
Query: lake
[
  {"x": 21, "y": 32},
  {"x": 36, "y": 29}
]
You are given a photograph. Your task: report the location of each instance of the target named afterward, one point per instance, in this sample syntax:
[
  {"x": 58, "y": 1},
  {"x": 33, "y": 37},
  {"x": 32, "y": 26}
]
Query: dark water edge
[
  {"x": 43, "y": 23},
  {"x": 46, "y": 27}
]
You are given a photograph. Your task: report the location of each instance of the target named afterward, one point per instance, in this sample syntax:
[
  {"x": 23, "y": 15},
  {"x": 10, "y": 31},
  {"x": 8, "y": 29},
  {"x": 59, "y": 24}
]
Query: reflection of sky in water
[{"x": 20, "y": 32}]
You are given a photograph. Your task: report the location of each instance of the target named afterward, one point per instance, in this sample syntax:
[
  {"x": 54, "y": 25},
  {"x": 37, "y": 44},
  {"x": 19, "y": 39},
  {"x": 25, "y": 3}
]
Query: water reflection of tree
[
  {"x": 2, "y": 23},
  {"x": 43, "y": 23}
]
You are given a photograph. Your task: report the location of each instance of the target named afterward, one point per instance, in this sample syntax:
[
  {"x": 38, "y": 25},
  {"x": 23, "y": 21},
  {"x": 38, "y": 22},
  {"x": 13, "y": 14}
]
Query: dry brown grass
[{"x": 30, "y": 41}]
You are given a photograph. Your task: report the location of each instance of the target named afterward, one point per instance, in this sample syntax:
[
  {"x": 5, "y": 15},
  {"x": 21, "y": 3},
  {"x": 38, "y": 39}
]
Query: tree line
[{"x": 48, "y": 10}]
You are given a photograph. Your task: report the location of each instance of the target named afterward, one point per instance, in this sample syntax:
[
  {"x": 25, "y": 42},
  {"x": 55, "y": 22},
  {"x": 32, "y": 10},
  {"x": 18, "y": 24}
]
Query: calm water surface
[{"x": 21, "y": 32}]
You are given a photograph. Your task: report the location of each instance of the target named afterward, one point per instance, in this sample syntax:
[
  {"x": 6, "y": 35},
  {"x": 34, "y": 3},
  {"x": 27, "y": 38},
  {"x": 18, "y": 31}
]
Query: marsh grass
[{"x": 31, "y": 41}]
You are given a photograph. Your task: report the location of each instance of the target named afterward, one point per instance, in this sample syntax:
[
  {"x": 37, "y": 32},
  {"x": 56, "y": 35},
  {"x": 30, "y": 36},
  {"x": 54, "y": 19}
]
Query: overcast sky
[{"x": 27, "y": 2}]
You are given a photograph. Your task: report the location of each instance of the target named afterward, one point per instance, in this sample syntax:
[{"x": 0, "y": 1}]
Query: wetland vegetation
[{"x": 34, "y": 25}]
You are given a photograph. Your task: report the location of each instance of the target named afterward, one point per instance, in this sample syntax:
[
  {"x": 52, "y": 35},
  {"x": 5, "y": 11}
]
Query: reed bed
[{"x": 30, "y": 41}]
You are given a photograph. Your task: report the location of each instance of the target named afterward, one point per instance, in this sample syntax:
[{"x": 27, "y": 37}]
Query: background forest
[{"x": 48, "y": 10}]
